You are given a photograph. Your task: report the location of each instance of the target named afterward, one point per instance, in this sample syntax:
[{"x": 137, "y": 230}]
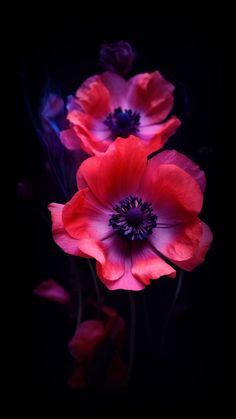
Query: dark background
[{"x": 187, "y": 369}]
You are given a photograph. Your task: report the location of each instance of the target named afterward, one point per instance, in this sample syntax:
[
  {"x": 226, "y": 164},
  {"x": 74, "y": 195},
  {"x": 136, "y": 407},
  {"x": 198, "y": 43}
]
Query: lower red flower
[
  {"x": 133, "y": 215},
  {"x": 96, "y": 347}
]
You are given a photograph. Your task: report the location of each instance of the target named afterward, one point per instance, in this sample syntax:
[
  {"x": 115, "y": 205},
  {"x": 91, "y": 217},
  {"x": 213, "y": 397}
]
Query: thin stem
[
  {"x": 132, "y": 335},
  {"x": 79, "y": 312},
  {"x": 95, "y": 282},
  {"x": 178, "y": 288},
  {"x": 74, "y": 269},
  {"x": 176, "y": 296}
]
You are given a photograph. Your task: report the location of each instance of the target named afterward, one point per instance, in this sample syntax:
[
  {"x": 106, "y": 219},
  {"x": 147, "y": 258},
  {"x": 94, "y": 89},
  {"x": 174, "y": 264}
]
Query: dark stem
[
  {"x": 95, "y": 281},
  {"x": 168, "y": 317},
  {"x": 132, "y": 335}
]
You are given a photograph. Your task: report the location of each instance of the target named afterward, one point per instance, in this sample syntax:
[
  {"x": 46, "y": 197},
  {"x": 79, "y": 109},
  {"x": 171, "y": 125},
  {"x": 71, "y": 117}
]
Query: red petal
[
  {"x": 200, "y": 252},
  {"x": 70, "y": 139},
  {"x": 180, "y": 160},
  {"x": 177, "y": 243},
  {"x": 174, "y": 194},
  {"x": 151, "y": 94},
  {"x": 126, "y": 282},
  {"x": 117, "y": 87},
  {"x": 147, "y": 265},
  {"x": 94, "y": 97},
  {"x": 120, "y": 170},
  {"x": 60, "y": 235}
]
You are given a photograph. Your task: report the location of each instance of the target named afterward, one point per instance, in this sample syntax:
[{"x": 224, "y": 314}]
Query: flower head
[
  {"x": 133, "y": 215},
  {"x": 107, "y": 106}
]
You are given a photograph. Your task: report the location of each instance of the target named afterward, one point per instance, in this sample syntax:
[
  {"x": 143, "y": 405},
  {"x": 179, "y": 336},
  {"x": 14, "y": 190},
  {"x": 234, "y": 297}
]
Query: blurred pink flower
[
  {"x": 52, "y": 291},
  {"x": 96, "y": 347}
]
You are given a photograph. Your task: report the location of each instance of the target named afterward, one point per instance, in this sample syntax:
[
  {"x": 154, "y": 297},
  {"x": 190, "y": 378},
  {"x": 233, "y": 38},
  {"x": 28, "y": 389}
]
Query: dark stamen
[
  {"x": 123, "y": 123},
  {"x": 133, "y": 218}
]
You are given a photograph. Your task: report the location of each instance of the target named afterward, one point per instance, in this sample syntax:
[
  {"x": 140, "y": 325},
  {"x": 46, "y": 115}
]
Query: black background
[{"x": 189, "y": 53}]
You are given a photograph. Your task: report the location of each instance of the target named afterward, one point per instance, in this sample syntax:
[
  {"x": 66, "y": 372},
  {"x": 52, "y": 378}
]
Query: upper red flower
[
  {"x": 107, "y": 106},
  {"x": 132, "y": 214}
]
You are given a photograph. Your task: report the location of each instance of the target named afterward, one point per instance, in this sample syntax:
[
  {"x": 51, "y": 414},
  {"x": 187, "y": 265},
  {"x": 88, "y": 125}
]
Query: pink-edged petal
[
  {"x": 115, "y": 249},
  {"x": 147, "y": 264},
  {"x": 52, "y": 291},
  {"x": 126, "y": 282},
  {"x": 73, "y": 104},
  {"x": 174, "y": 194},
  {"x": 60, "y": 235},
  {"x": 88, "y": 172},
  {"x": 94, "y": 97},
  {"x": 155, "y": 136},
  {"x": 92, "y": 142},
  {"x": 150, "y": 94},
  {"x": 117, "y": 87},
  {"x": 180, "y": 160},
  {"x": 70, "y": 139},
  {"x": 200, "y": 253},
  {"x": 92, "y": 135},
  {"x": 177, "y": 243},
  {"x": 85, "y": 218},
  {"x": 120, "y": 171}
]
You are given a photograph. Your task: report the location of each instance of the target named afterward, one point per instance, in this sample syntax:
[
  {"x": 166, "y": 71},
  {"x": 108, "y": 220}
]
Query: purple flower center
[
  {"x": 123, "y": 123},
  {"x": 133, "y": 218}
]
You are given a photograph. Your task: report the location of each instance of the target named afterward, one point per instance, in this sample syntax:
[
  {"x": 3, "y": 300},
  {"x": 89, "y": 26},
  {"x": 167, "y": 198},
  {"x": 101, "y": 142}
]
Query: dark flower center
[
  {"x": 123, "y": 123},
  {"x": 133, "y": 218}
]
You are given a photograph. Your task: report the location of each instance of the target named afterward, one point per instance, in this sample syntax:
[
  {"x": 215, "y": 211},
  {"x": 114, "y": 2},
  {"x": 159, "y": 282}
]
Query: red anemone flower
[
  {"x": 107, "y": 106},
  {"x": 133, "y": 215},
  {"x": 96, "y": 347}
]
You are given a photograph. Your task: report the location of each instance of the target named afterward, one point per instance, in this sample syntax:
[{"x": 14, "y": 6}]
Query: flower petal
[
  {"x": 155, "y": 136},
  {"x": 147, "y": 264},
  {"x": 117, "y": 87},
  {"x": 180, "y": 160},
  {"x": 60, "y": 235},
  {"x": 94, "y": 97},
  {"x": 174, "y": 194},
  {"x": 84, "y": 217},
  {"x": 126, "y": 282},
  {"x": 200, "y": 252},
  {"x": 70, "y": 139},
  {"x": 120, "y": 171},
  {"x": 87, "y": 133},
  {"x": 52, "y": 291},
  {"x": 115, "y": 249},
  {"x": 177, "y": 243},
  {"x": 150, "y": 94}
]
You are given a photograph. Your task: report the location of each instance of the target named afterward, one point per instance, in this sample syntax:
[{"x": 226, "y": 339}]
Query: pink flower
[
  {"x": 96, "y": 346},
  {"x": 52, "y": 291},
  {"x": 107, "y": 106},
  {"x": 133, "y": 215}
]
